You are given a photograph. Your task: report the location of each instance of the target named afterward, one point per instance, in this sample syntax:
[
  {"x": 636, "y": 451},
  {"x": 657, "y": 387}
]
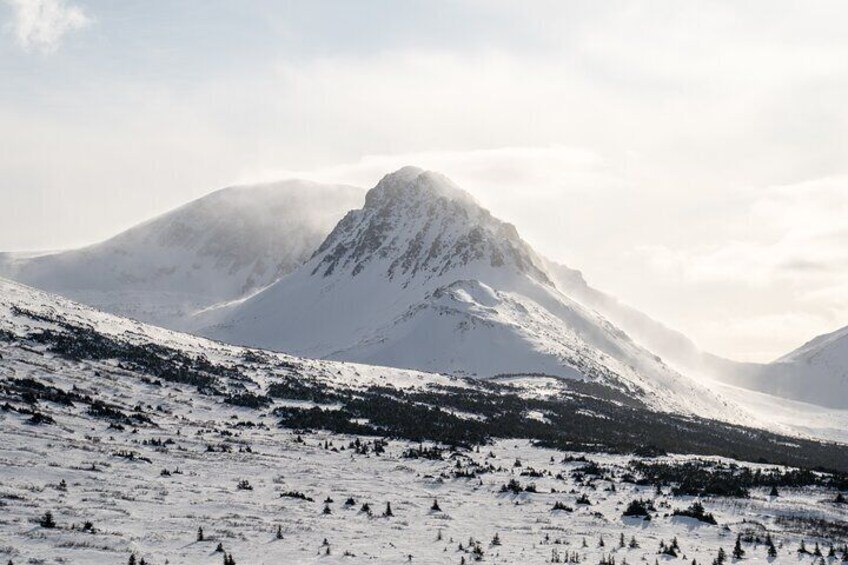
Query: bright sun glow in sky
[{"x": 690, "y": 158}]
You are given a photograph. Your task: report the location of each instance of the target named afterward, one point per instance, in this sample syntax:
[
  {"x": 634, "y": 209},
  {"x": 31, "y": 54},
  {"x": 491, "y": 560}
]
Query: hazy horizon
[{"x": 689, "y": 160}]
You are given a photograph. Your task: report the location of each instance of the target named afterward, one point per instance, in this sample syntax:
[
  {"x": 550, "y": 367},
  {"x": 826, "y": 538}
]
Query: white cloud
[
  {"x": 783, "y": 233},
  {"x": 42, "y": 24},
  {"x": 537, "y": 171},
  {"x": 770, "y": 277}
]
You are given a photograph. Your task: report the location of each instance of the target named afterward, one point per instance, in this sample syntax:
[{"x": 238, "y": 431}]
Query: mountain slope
[
  {"x": 423, "y": 277},
  {"x": 672, "y": 346},
  {"x": 816, "y": 372},
  {"x": 217, "y": 248}
]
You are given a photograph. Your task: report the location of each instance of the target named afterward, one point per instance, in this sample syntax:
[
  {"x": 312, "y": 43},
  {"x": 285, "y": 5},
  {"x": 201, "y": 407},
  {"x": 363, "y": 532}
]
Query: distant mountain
[
  {"x": 423, "y": 277},
  {"x": 218, "y": 248},
  {"x": 816, "y": 372}
]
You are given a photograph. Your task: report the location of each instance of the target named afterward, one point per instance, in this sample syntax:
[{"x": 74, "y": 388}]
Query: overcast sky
[{"x": 690, "y": 158}]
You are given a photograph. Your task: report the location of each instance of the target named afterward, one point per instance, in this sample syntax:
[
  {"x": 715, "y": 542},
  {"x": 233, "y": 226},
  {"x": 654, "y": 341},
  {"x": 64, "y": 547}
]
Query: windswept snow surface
[
  {"x": 790, "y": 416},
  {"x": 816, "y": 373},
  {"x": 221, "y": 247}
]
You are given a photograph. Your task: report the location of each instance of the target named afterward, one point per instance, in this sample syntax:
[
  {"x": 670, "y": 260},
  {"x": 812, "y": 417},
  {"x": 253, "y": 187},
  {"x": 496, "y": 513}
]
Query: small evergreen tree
[
  {"x": 496, "y": 540},
  {"x": 738, "y": 552},
  {"x": 279, "y": 532},
  {"x": 774, "y": 491},
  {"x": 47, "y": 520},
  {"x": 388, "y": 512},
  {"x": 477, "y": 552},
  {"x": 772, "y": 550},
  {"x": 435, "y": 507},
  {"x": 200, "y": 533}
]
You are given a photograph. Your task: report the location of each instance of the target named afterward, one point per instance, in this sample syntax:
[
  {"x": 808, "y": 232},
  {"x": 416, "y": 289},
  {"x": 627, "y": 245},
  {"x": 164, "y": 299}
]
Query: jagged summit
[
  {"x": 414, "y": 183},
  {"x": 418, "y": 223}
]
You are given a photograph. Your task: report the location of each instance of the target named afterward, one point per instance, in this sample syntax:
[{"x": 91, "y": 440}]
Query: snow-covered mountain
[
  {"x": 816, "y": 373},
  {"x": 218, "y": 248},
  {"x": 420, "y": 277},
  {"x": 423, "y": 277}
]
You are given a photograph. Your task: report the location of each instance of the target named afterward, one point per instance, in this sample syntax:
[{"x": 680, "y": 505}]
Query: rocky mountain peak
[{"x": 418, "y": 223}]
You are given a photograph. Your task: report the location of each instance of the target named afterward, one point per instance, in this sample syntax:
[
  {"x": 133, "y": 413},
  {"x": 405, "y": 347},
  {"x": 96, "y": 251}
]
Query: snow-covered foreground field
[{"x": 134, "y": 506}]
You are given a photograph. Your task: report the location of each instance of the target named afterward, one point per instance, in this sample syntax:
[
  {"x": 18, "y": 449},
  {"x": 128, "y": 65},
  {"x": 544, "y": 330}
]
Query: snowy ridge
[
  {"x": 816, "y": 372},
  {"x": 220, "y": 247},
  {"x": 15, "y": 297}
]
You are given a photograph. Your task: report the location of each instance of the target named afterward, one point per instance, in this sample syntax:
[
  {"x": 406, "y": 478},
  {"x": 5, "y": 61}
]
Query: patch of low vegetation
[
  {"x": 79, "y": 343},
  {"x": 296, "y": 495},
  {"x": 248, "y": 400},
  {"x": 495, "y": 411},
  {"x": 696, "y": 511},
  {"x": 639, "y": 508},
  {"x": 713, "y": 478}
]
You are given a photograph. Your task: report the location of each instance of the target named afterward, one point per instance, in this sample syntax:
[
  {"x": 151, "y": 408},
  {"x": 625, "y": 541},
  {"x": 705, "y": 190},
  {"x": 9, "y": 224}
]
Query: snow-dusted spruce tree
[{"x": 738, "y": 552}]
